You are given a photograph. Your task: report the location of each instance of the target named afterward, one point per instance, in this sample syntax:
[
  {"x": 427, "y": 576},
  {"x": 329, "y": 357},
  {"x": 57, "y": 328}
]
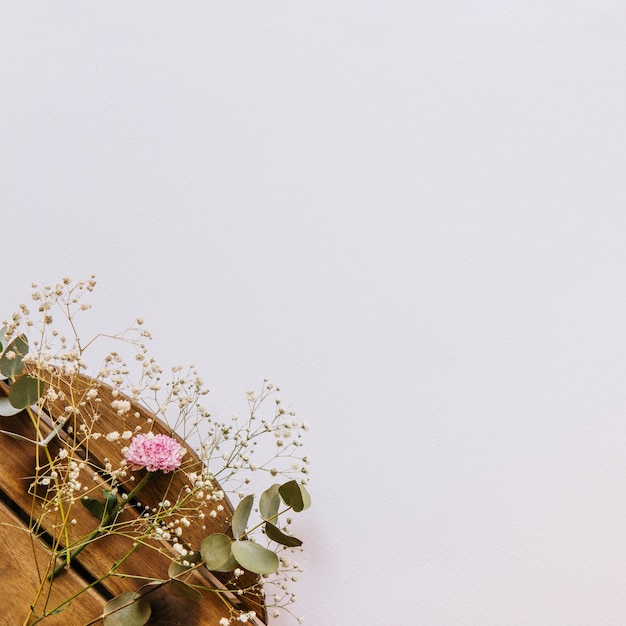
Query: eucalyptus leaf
[
  {"x": 186, "y": 591},
  {"x": 127, "y": 609},
  {"x": 269, "y": 502},
  {"x": 176, "y": 569},
  {"x": 253, "y": 557},
  {"x": 12, "y": 359},
  {"x": 95, "y": 507},
  {"x": 215, "y": 550},
  {"x": 241, "y": 515},
  {"x": 277, "y": 535},
  {"x": 295, "y": 495},
  {"x": 227, "y": 566},
  {"x": 7, "y": 409},
  {"x": 110, "y": 503},
  {"x": 25, "y": 391},
  {"x": 306, "y": 497},
  {"x": 101, "y": 510}
]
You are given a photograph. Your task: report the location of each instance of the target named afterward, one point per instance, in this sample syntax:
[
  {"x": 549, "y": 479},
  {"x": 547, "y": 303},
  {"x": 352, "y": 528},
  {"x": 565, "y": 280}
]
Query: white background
[{"x": 408, "y": 214}]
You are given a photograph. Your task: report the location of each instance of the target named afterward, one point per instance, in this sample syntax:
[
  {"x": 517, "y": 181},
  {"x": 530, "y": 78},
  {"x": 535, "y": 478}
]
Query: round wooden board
[{"x": 24, "y": 553}]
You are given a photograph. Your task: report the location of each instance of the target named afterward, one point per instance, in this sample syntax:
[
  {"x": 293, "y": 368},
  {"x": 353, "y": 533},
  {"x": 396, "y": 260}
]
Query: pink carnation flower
[{"x": 154, "y": 452}]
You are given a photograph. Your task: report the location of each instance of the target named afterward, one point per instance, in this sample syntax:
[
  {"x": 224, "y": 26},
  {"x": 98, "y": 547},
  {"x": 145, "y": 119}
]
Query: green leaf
[
  {"x": 101, "y": 510},
  {"x": 228, "y": 566},
  {"x": 269, "y": 502},
  {"x": 128, "y": 609},
  {"x": 177, "y": 568},
  {"x": 186, "y": 591},
  {"x": 95, "y": 507},
  {"x": 17, "y": 349},
  {"x": 25, "y": 391},
  {"x": 295, "y": 495},
  {"x": 241, "y": 515},
  {"x": 306, "y": 497},
  {"x": 277, "y": 535},
  {"x": 215, "y": 550},
  {"x": 110, "y": 503},
  {"x": 7, "y": 409},
  {"x": 256, "y": 558}
]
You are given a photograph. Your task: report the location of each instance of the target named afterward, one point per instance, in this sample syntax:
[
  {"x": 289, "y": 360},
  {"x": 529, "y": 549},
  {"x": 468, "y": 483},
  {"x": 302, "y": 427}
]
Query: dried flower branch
[{"x": 127, "y": 473}]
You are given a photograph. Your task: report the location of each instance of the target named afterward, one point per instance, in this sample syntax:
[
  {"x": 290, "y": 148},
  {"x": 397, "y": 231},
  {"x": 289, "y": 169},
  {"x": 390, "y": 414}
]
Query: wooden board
[
  {"x": 18, "y": 586},
  {"x": 18, "y": 507}
]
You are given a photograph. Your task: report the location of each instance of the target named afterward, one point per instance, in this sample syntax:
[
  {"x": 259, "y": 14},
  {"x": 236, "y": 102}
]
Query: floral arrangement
[{"x": 128, "y": 495}]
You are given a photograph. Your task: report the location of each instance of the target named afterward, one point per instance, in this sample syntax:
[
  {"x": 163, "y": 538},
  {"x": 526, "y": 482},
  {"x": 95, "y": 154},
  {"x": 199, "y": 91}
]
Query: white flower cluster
[{"x": 233, "y": 453}]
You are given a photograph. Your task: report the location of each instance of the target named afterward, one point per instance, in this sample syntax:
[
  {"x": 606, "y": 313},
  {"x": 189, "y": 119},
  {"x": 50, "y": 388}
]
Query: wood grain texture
[{"x": 20, "y": 582}]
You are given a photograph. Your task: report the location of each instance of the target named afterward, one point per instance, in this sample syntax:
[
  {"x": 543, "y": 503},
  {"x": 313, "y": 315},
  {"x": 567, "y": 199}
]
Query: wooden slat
[
  {"x": 161, "y": 486},
  {"x": 19, "y": 583},
  {"x": 96, "y": 559},
  {"x": 100, "y": 555}
]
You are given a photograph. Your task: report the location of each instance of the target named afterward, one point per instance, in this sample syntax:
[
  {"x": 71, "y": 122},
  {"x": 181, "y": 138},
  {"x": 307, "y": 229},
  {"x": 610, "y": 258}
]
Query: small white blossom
[{"x": 121, "y": 406}]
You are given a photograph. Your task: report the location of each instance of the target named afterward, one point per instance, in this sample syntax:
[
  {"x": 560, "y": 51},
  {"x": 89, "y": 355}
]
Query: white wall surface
[{"x": 411, "y": 216}]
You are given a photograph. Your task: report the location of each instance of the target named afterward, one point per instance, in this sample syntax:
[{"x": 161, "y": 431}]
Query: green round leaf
[
  {"x": 241, "y": 515},
  {"x": 186, "y": 591},
  {"x": 215, "y": 550},
  {"x": 269, "y": 502},
  {"x": 295, "y": 495},
  {"x": 25, "y": 391},
  {"x": 256, "y": 558},
  {"x": 12, "y": 359},
  {"x": 228, "y": 566},
  {"x": 128, "y": 609}
]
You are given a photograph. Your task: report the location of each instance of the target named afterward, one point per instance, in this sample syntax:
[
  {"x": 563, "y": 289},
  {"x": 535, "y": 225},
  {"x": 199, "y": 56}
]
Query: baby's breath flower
[{"x": 226, "y": 446}]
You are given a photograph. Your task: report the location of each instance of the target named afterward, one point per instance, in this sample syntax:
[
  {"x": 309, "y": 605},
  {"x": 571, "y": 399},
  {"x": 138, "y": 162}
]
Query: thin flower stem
[
  {"x": 111, "y": 572},
  {"x": 224, "y": 452},
  {"x": 269, "y": 519},
  {"x": 101, "y": 530}
]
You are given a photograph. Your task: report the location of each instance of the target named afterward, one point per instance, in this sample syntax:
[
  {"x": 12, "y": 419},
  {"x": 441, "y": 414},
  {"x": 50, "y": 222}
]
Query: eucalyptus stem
[
  {"x": 101, "y": 530},
  {"x": 111, "y": 572},
  {"x": 262, "y": 522}
]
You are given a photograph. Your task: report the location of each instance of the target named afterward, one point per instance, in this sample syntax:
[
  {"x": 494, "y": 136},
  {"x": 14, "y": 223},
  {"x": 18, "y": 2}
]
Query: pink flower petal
[{"x": 155, "y": 453}]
